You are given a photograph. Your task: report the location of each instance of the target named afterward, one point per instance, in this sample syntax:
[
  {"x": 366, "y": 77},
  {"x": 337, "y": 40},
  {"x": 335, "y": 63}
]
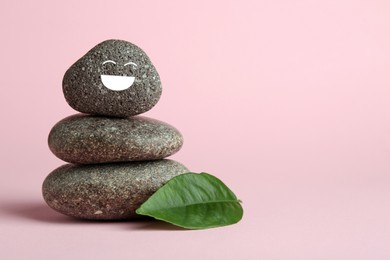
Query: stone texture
[
  {"x": 108, "y": 191},
  {"x": 86, "y": 139},
  {"x": 85, "y": 91}
]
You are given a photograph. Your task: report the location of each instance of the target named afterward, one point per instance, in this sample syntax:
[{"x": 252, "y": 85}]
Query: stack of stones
[{"x": 116, "y": 159}]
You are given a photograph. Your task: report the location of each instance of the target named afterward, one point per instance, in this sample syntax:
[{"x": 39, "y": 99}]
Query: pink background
[{"x": 288, "y": 102}]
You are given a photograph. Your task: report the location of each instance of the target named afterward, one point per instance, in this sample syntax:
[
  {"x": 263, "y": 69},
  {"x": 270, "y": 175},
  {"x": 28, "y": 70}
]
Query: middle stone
[{"x": 86, "y": 139}]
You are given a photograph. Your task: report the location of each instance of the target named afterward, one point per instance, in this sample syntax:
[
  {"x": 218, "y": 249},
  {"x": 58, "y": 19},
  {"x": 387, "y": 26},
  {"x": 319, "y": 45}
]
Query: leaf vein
[{"x": 200, "y": 203}]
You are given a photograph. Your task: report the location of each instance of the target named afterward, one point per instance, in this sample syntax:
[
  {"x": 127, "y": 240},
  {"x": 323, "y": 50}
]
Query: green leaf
[{"x": 194, "y": 201}]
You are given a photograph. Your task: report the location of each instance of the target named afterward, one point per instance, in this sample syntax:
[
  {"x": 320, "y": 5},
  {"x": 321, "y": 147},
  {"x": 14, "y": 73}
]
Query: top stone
[{"x": 115, "y": 78}]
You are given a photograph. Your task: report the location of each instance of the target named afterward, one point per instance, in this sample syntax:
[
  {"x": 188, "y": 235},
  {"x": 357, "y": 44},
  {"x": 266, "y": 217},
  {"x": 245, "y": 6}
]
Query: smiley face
[
  {"x": 116, "y": 82},
  {"x": 114, "y": 78}
]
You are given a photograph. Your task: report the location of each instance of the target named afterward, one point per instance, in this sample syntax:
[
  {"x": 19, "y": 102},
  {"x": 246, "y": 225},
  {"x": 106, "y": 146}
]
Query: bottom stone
[{"x": 106, "y": 191}]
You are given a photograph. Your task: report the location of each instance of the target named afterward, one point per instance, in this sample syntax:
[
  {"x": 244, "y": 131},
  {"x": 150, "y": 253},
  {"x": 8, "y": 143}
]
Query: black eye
[
  {"x": 130, "y": 66},
  {"x": 130, "y": 63},
  {"x": 108, "y": 66},
  {"x": 109, "y": 62}
]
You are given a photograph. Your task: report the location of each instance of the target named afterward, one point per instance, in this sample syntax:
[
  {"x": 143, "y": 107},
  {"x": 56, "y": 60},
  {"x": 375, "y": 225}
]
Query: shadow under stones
[
  {"x": 36, "y": 211},
  {"x": 151, "y": 224},
  {"x": 41, "y": 212}
]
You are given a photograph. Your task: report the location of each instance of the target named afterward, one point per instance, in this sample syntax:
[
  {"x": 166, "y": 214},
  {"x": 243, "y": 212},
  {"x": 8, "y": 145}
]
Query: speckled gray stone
[
  {"x": 86, "y": 139},
  {"x": 108, "y": 191},
  {"x": 85, "y": 91}
]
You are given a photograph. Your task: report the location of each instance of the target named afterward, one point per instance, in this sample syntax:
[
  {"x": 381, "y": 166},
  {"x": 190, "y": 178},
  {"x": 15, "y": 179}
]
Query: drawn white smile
[{"x": 117, "y": 83}]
